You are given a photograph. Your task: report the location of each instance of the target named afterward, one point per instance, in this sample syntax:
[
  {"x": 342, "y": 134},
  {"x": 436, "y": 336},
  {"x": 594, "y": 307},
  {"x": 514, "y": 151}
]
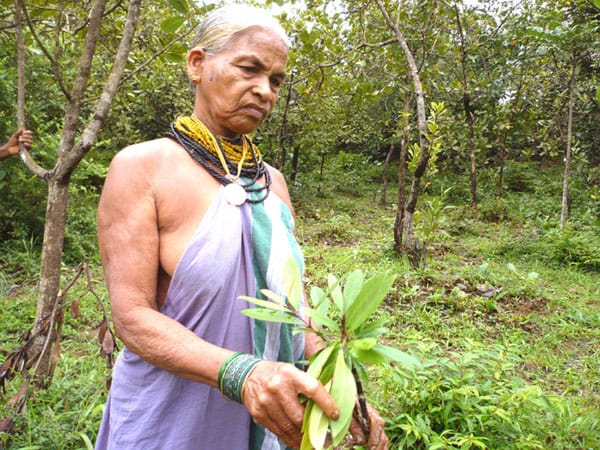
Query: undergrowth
[{"x": 505, "y": 317}]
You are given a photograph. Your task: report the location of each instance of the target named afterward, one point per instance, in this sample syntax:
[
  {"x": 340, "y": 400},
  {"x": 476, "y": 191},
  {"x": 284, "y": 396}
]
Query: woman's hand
[
  {"x": 378, "y": 440},
  {"x": 271, "y": 396}
]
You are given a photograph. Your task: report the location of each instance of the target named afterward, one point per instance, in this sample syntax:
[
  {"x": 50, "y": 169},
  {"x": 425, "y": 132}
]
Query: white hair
[{"x": 223, "y": 23}]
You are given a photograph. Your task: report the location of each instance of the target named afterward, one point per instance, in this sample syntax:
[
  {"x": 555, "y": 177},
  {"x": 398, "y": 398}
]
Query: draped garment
[{"x": 236, "y": 250}]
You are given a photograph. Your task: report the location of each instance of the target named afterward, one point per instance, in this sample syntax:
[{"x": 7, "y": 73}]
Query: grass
[{"x": 505, "y": 317}]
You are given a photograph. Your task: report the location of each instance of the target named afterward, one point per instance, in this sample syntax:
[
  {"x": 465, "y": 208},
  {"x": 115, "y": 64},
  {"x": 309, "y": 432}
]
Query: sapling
[{"x": 342, "y": 317}]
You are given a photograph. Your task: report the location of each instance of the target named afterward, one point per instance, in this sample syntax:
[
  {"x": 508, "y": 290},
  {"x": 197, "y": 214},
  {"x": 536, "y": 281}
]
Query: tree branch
[
  {"x": 87, "y": 20},
  {"x": 72, "y": 114},
  {"x": 421, "y": 115},
  {"x": 25, "y": 156},
  {"x": 500, "y": 25},
  {"x": 70, "y": 160},
  {"x": 156, "y": 55},
  {"x": 53, "y": 61}
]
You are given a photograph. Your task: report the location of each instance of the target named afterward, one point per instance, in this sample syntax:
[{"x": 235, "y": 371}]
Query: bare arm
[{"x": 129, "y": 241}]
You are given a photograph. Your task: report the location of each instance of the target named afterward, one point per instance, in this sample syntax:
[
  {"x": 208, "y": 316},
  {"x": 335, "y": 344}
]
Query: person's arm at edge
[{"x": 11, "y": 148}]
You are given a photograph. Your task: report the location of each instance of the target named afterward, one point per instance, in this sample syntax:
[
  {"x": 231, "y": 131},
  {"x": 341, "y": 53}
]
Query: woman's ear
[{"x": 195, "y": 63}]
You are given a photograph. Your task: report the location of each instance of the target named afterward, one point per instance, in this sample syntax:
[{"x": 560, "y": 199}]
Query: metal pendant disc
[{"x": 235, "y": 194}]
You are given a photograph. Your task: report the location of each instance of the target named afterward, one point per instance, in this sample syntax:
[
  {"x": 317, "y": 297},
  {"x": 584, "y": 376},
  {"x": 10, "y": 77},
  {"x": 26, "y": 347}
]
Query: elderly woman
[{"x": 187, "y": 224}]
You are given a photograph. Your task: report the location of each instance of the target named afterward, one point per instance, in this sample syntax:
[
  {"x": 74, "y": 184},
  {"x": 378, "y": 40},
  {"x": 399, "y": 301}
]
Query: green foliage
[
  {"x": 568, "y": 247},
  {"x": 474, "y": 398},
  {"x": 350, "y": 341},
  {"x": 431, "y": 217},
  {"x": 346, "y": 102},
  {"x": 67, "y": 415},
  {"x": 479, "y": 302}
]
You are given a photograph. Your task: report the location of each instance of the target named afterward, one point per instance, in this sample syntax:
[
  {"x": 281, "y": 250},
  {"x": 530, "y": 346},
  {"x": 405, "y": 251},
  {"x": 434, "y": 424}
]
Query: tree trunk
[
  {"x": 386, "y": 164},
  {"x": 20, "y": 66},
  {"x": 283, "y": 130},
  {"x": 469, "y": 118},
  {"x": 565, "y": 194},
  {"x": 54, "y": 233},
  {"x": 398, "y": 223},
  {"x": 295, "y": 157},
  {"x": 411, "y": 244}
]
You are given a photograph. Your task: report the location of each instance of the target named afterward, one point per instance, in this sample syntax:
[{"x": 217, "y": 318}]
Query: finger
[
  {"x": 286, "y": 429},
  {"x": 280, "y": 425},
  {"x": 312, "y": 388}
]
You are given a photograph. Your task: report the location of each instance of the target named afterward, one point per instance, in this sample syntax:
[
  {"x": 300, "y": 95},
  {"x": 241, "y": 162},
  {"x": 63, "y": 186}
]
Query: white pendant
[{"x": 235, "y": 194}]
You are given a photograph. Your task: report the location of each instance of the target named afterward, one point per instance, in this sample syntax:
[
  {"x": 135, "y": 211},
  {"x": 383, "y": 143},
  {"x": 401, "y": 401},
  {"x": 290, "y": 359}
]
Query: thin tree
[
  {"x": 468, "y": 107},
  {"x": 564, "y": 211},
  {"x": 404, "y": 227},
  {"x": 71, "y": 152}
]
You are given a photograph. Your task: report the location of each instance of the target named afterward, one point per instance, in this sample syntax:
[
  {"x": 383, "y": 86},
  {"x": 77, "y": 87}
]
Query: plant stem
[{"x": 363, "y": 412}]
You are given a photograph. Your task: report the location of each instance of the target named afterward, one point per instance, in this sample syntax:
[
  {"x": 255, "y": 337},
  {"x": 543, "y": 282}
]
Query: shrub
[
  {"x": 474, "y": 398},
  {"x": 567, "y": 247}
]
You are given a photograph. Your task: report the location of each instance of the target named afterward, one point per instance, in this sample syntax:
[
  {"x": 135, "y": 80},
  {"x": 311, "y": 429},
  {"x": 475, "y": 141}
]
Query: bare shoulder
[
  {"x": 132, "y": 175},
  {"x": 279, "y": 186},
  {"x": 145, "y": 155}
]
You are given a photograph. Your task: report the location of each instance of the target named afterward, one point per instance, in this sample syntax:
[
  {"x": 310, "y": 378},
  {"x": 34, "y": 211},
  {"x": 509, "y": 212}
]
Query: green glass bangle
[
  {"x": 233, "y": 373},
  {"x": 224, "y": 367}
]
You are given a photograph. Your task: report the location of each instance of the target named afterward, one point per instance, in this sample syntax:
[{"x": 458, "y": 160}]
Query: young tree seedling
[{"x": 342, "y": 316}]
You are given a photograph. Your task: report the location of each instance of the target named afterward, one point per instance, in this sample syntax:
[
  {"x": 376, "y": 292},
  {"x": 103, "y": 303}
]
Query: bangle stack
[{"x": 233, "y": 373}]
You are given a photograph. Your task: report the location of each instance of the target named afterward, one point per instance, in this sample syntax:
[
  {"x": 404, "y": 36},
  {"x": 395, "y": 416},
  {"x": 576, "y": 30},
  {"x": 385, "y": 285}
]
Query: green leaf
[
  {"x": 309, "y": 405},
  {"x": 265, "y": 303},
  {"x": 368, "y": 300},
  {"x": 321, "y": 320},
  {"x": 343, "y": 391},
  {"x": 305, "y": 444},
  {"x": 354, "y": 284},
  {"x": 318, "y": 300},
  {"x": 403, "y": 358},
  {"x": 363, "y": 344},
  {"x": 367, "y": 356},
  {"x": 318, "y": 424},
  {"x": 269, "y": 315},
  {"x": 171, "y": 24},
  {"x": 298, "y": 330},
  {"x": 180, "y": 6},
  {"x": 273, "y": 296},
  {"x": 336, "y": 292},
  {"x": 318, "y": 361},
  {"x": 598, "y": 88},
  {"x": 176, "y": 53},
  {"x": 374, "y": 328},
  {"x": 292, "y": 282}
]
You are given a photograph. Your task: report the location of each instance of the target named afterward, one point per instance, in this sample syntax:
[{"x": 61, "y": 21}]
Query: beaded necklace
[{"x": 239, "y": 156}]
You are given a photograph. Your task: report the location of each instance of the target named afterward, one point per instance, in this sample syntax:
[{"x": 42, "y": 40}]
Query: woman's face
[{"x": 239, "y": 85}]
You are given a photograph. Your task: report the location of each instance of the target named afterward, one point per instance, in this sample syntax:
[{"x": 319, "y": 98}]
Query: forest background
[{"x": 498, "y": 299}]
